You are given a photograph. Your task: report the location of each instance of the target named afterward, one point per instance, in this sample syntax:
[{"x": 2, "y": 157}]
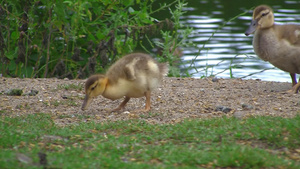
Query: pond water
[{"x": 229, "y": 47}]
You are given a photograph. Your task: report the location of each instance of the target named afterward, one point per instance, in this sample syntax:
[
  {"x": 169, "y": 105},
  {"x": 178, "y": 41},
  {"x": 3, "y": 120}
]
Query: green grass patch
[{"x": 257, "y": 142}]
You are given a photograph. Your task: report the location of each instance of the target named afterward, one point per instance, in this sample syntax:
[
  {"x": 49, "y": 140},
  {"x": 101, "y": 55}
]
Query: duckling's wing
[
  {"x": 290, "y": 32},
  {"x": 122, "y": 69},
  {"x": 130, "y": 69},
  {"x": 133, "y": 66}
]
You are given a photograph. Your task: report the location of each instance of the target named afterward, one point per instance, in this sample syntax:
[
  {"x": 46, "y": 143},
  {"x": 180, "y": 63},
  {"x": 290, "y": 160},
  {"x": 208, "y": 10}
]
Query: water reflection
[{"x": 229, "y": 49}]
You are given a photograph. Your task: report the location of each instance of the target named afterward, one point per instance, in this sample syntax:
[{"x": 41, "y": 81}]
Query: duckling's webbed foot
[
  {"x": 296, "y": 85},
  {"x": 295, "y": 88},
  {"x": 122, "y": 105}
]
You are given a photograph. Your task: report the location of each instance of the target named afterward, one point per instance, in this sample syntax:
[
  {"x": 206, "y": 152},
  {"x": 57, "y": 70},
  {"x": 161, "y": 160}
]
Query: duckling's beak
[
  {"x": 252, "y": 27},
  {"x": 86, "y": 102}
]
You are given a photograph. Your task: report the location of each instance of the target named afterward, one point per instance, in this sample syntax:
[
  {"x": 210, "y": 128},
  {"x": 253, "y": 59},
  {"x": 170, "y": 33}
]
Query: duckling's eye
[
  {"x": 93, "y": 87},
  {"x": 264, "y": 14}
]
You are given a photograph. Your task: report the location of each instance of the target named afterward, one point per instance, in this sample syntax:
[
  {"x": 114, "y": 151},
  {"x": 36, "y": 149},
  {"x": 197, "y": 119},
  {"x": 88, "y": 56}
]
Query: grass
[{"x": 257, "y": 142}]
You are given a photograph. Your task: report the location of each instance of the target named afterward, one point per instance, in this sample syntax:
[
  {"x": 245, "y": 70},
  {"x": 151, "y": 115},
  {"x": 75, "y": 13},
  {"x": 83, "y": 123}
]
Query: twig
[{"x": 257, "y": 72}]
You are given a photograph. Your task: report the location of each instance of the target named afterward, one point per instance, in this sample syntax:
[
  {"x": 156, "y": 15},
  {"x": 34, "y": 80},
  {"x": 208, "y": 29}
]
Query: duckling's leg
[
  {"x": 293, "y": 76},
  {"x": 122, "y": 105},
  {"x": 148, "y": 104}
]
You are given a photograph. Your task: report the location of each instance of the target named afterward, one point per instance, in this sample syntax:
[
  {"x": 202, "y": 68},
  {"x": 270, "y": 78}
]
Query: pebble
[
  {"x": 223, "y": 109},
  {"x": 126, "y": 112},
  {"x": 215, "y": 79},
  {"x": 64, "y": 97},
  {"x": 32, "y": 93},
  {"x": 247, "y": 106}
]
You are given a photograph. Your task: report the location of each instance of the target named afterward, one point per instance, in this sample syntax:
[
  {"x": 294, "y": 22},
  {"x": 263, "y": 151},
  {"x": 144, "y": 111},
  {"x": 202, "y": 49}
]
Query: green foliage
[
  {"x": 171, "y": 41},
  {"x": 256, "y": 142},
  {"x": 74, "y": 38}
]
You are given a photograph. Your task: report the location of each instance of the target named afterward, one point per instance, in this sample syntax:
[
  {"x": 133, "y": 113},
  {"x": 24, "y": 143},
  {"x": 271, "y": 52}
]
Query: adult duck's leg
[
  {"x": 122, "y": 105},
  {"x": 293, "y": 76}
]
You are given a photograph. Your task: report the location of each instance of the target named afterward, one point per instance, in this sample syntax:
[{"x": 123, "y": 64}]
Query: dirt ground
[{"x": 177, "y": 99}]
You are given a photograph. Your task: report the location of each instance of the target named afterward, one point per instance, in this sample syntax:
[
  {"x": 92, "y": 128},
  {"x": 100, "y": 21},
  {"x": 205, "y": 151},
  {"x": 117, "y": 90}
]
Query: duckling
[
  {"x": 278, "y": 44},
  {"x": 133, "y": 76}
]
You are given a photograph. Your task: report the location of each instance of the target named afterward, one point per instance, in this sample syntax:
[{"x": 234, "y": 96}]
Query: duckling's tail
[{"x": 163, "y": 68}]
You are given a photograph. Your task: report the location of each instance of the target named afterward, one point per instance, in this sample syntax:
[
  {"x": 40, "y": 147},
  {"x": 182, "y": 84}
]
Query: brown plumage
[
  {"x": 133, "y": 76},
  {"x": 277, "y": 44}
]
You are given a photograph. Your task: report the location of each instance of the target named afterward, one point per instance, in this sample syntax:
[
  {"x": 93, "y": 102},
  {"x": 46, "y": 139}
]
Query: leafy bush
[{"x": 76, "y": 38}]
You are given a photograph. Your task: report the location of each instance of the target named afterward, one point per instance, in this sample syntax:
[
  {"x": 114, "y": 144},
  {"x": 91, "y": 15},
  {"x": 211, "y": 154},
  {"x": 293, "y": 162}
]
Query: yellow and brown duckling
[
  {"x": 133, "y": 76},
  {"x": 277, "y": 44}
]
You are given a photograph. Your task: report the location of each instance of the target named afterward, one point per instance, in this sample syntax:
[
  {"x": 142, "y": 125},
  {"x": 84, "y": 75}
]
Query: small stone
[
  {"x": 246, "y": 106},
  {"x": 32, "y": 93},
  {"x": 64, "y": 97},
  {"x": 223, "y": 109},
  {"x": 215, "y": 79}
]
